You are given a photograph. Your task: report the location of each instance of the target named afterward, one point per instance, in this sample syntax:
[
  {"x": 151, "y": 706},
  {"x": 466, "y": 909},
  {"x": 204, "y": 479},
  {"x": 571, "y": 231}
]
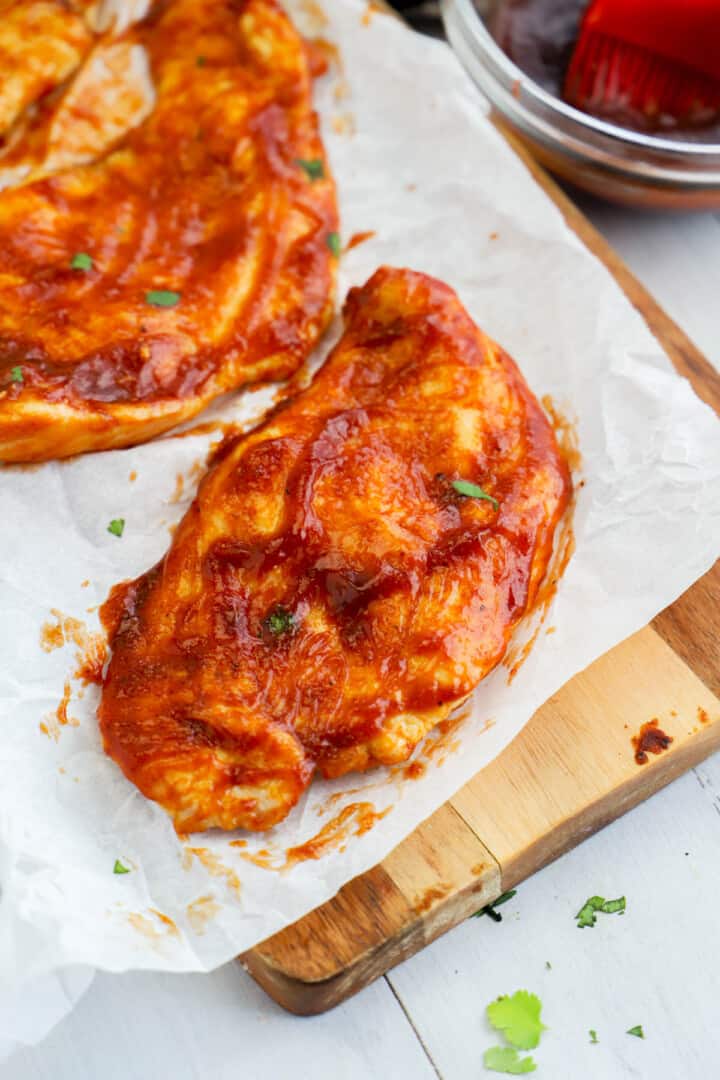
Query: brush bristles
[{"x": 619, "y": 81}]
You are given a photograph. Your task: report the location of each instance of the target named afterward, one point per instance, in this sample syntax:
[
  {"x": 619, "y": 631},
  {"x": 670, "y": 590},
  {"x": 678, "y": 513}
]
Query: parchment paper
[{"x": 417, "y": 162}]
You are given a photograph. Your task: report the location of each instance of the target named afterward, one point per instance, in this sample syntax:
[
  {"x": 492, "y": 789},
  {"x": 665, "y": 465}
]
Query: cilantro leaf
[
  {"x": 116, "y": 526},
  {"x": 200, "y": 61},
  {"x": 465, "y": 487},
  {"x": 489, "y": 909},
  {"x": 506, "y": 1060},
  {"x": 637, "y": 1031},
  {"x": 586, "y": 915},
  {"x": 118, "y": 868},
  {"x": 162, "y": 298},
  {"x": 314, "y": 168},
  {"x": 81, "y": 261},
  {"x": 16, "y": 375},
  {"x": 593, "y": 1036},
  {"x": 333, "y": 242},
  {"x": 279, "y": 621},
  {"x": 518, "y": 1018}
]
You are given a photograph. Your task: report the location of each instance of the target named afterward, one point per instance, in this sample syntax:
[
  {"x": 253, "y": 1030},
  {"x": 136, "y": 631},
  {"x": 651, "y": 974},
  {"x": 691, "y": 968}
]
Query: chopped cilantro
[
  {"x": 200, "y": 61},
  {"x": 279, "y": 621},
  {"x": 118, "y": 868},
  {"x": 162, "y": 297},
  {"x": 116, "y": 526},
  {"x": 504, "y": 1059},
  {"x": 637, "y": 1031},
  {"x": 593, "y": 1036},
  {"x": 465, "y": 487},
  {"x": 81, "y": 261},
  {"x": 16, "y": 375},
  {"x": 587, "y": 916},
  {"x": 314, "y": 168},
  {"x": 489, "y": 909},
  {"x": 548, "y": 965},
  {"x": 610, "y": 907},
  {"x": 518, "y": 1017},
  {"x": 333, "y": 242}
]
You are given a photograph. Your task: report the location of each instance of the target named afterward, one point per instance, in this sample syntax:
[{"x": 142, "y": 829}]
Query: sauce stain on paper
[
  {"x": 54, "y": 721},
  {"x": 92, "y": 647},
  {"x": 370, "y": 10},
  {"x": 149, "y": 928},
  {"x": 414, "y": 770},
  {"x": 359, "y": 238},
  {"x": 440, "y": 742},
  {"x": 356, "y": 819},
  {"x": 314, "y": 17},
  {"x": 200, "y": 912},
  {"x": 566, "y": 433},
  {"x": 214, "y": 866}
]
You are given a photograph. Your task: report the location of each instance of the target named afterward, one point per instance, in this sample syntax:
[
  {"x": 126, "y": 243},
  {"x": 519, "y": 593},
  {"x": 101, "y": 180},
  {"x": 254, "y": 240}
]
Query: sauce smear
[{"x": 651, "y": 739}]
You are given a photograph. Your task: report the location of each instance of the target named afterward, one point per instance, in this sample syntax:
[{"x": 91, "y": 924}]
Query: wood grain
[{"x": 570, "y": 771}]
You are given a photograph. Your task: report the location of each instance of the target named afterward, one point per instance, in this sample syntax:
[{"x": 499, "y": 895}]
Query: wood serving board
[{"x": 569, "y": 772}]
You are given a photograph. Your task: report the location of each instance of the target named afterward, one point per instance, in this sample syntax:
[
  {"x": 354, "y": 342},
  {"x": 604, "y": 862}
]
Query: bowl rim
[{"x": 475, "y": 25}]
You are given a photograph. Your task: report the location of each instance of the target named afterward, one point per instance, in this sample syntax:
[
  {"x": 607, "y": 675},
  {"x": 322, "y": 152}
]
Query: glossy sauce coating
[
  {"x": 330, "y": 596},
  {"x": 171, "y": 156}
]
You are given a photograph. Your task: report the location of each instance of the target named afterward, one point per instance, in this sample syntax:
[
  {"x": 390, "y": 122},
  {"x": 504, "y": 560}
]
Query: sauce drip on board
[{"x": 651, "y": 739}]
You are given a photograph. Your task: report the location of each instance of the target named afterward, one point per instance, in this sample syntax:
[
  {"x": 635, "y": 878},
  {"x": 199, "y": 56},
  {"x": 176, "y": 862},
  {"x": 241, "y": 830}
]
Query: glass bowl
[{"x": 610, "y": 161}]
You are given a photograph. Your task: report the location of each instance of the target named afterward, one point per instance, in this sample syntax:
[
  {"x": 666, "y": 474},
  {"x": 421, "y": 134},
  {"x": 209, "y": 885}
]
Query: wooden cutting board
[{"x": 571, "y": 771}]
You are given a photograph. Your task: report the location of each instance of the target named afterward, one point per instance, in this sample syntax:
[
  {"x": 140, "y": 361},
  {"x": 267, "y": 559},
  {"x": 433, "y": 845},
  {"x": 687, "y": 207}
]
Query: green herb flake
[
  {"x": 637, "y": 1031},
  {"x": 118, "y": 868},
  {"x": 504, "y": 1059},
  {"x": 587, "y": 915},
  {"x": 489, "y": 909},
  {"x": 162, "y": 298},
  {"x": 81, "y": 261},
  {"x": 200, "y": 61},
  {"x": 593, "y": 1036},
  {"x": 116, "y": 526},
  {"x": 16, "y": 375},
  {"x": 548, "y": 965},
  {"x": 611, "y": 907},
  {"x": 333, "y": 242},
  {"x": 314, "y": 168},
  {"x": 472, "y": 491},
  {"x": 518, "y": 1018},
  {"x": 279, "y": 621}
]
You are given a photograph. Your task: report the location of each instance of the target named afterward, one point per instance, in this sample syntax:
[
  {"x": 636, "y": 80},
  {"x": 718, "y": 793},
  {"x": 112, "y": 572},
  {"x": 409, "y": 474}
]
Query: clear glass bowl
[{"x": 603, "y": 158}]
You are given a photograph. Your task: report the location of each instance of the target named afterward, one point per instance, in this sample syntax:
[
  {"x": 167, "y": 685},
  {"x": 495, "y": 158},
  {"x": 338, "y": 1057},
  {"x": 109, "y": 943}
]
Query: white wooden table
[{"x": 658, "y": 966}]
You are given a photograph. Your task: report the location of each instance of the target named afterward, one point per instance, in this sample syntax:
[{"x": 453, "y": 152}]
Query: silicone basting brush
[{"x": 651, "y": 63}]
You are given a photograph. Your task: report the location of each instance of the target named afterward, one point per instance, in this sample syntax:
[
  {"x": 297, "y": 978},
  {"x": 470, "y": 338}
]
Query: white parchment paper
[{"x": 416, "y": 161}]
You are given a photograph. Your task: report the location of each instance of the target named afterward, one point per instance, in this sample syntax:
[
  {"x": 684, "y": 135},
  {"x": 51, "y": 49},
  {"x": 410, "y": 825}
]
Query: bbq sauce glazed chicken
[
  {"x": 348, "y": 573},
  {"x": 165, "y": 215}
]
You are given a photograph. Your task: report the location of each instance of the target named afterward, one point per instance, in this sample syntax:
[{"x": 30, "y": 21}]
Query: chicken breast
[
  {"x": 347, "y": 574},
  {"x": 167, "y": 219}
]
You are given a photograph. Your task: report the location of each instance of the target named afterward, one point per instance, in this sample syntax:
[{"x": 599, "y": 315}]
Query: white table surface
[{"x": 659, "y": 965}]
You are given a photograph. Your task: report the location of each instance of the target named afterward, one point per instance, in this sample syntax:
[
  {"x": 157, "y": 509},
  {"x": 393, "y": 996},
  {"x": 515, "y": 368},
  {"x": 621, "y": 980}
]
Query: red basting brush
[{"x": 648, "y": 63}]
